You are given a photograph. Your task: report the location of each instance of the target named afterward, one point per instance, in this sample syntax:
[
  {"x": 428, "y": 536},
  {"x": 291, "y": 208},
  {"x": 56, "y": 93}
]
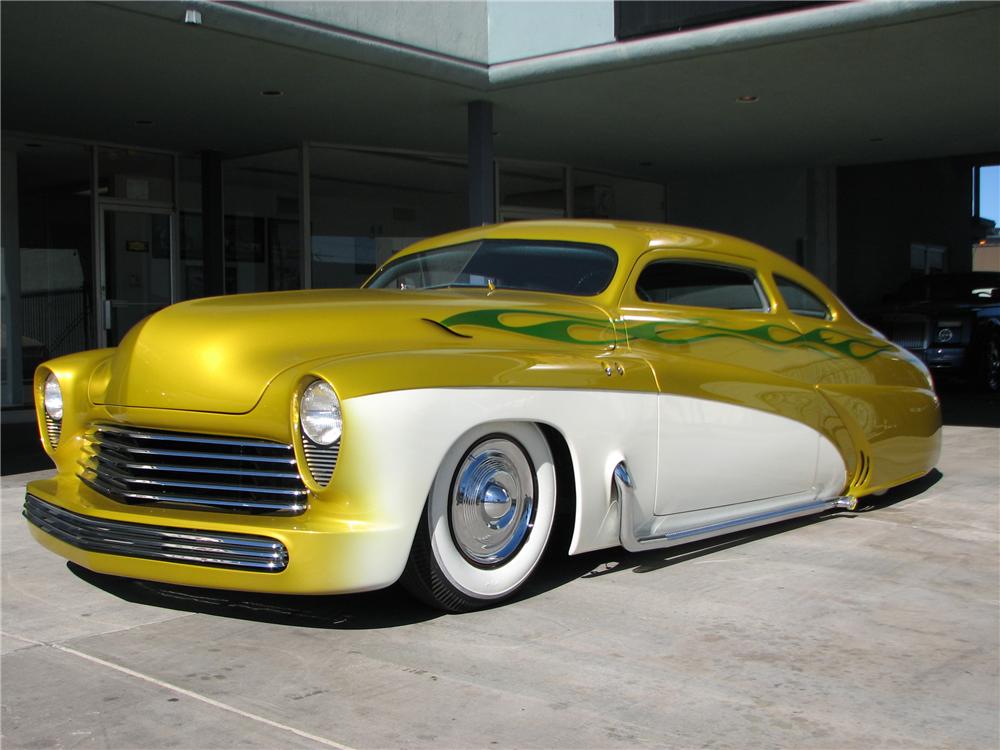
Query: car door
[{"x": 734, "y": 425}]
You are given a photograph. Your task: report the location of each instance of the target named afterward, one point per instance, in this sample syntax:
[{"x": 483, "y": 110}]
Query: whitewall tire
[{"x": 487, "y": 519}]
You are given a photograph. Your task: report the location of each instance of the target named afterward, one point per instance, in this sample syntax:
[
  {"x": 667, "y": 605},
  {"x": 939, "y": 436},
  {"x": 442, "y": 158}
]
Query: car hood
[{"x": 219, "y": 354}]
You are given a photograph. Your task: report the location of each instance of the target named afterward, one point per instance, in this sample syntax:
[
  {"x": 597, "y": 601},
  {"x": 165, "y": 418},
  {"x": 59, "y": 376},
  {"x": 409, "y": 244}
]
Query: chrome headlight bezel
[{"x": 320, "y": 417}]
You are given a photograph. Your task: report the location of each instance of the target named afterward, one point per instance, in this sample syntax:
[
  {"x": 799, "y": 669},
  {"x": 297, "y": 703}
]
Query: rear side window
[
  {"x": 800, "y": 300},
  {"x": 676, "y": 282}
]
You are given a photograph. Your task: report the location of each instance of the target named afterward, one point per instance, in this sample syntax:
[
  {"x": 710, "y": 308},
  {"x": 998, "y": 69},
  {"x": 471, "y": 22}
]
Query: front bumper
[
  {"x": 319, "y": 555},
  {"x": 943, "y": 359}
]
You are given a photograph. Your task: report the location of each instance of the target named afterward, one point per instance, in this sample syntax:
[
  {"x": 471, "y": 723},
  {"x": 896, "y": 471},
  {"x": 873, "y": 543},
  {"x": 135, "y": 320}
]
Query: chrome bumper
[{"x": 191, "y": 546}]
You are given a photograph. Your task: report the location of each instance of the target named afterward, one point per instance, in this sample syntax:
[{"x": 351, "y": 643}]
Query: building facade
[{"x": 159, "y": 151}]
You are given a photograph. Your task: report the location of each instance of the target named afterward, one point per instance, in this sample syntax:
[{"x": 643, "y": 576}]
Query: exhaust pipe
[{"x": 845, "y": 503}]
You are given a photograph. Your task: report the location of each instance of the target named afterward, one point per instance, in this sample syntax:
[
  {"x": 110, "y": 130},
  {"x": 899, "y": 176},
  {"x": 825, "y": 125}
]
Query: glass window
[
  {"x": 191, "y": 279},
  {"x": 603, "y": 196},
  {"x": 48, "y": 256},
  {"x": 366, "y": 205},
  {"x": 800, "y": 300},
  {"x": 531, "y": 191},
  {"x": 560, "y": 267},
  {"x": 261, "y": 223},
  {"x": 129, "y": 175},
  {"x": 676, "y": 282}
]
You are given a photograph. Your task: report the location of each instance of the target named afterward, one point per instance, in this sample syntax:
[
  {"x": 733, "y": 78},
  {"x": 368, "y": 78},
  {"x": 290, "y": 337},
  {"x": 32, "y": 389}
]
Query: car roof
[
  {"x": 629, "y": 238},
  {"x": 632, "y": 239}
]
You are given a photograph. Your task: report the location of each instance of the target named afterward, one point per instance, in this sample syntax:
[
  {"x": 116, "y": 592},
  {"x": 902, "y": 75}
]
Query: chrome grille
[
  {"x": 321, "y": 459},
  {"x": 911, "y": 334},
  {"x": 52, "y": 429},
  {"x": 202, "y": 472},
  {"x": 191, "y": 546}
]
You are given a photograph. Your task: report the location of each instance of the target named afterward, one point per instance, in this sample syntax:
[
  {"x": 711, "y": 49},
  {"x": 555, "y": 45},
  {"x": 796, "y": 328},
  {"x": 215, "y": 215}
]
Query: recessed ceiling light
[
  {"x": 272, "y": 92},
  {"x": 143, "y": 122},
  {"x": 747, "y": 98}
]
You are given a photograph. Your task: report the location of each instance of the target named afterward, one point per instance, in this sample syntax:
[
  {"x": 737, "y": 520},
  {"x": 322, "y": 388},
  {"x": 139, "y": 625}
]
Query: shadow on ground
[{"x": 393, "y": 607}]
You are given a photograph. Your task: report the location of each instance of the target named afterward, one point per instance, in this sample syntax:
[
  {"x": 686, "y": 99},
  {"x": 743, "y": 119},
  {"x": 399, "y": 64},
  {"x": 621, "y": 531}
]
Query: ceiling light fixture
[
  {"x": 747, "y": 98},
  {"x": 192, "y": 16}
]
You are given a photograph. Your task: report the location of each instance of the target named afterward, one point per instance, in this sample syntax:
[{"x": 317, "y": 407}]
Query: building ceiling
[{"x": 923, "y": 86}]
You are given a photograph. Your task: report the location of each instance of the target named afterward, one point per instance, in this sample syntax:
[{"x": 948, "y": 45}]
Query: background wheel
[
  {"x": 990, "y": 376},
  {"x": 487, "y": 519}
]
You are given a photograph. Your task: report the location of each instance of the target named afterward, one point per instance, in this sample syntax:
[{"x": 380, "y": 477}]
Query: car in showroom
[
  {"x": 951, "y": 321},
  {"x": 656, "y": 385}
]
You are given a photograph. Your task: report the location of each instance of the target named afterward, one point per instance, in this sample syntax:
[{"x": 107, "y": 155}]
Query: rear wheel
[{"x": 487, "y": 519}]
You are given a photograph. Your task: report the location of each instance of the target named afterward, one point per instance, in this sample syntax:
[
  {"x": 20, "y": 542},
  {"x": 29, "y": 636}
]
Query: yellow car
[{"x": 657, "y": 384}]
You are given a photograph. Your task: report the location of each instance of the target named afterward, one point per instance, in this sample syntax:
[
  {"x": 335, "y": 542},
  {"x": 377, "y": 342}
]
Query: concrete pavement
[{"x": 877, "y": 628}]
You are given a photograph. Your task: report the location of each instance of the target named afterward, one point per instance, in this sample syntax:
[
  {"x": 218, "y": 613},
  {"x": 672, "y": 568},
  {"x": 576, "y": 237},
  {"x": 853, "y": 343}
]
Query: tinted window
[
  {"x": 800, "y": 300},
  {"x": 700, "y": 284},
  {"x": 531, "y": 265}
]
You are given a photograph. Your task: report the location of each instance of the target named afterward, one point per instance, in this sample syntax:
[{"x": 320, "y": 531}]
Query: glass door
[{"x": 137, "y": 246}]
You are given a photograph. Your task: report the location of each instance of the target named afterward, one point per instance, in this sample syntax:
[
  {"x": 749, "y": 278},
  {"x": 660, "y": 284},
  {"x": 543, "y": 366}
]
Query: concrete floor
[{"x": 877, "y": 628}]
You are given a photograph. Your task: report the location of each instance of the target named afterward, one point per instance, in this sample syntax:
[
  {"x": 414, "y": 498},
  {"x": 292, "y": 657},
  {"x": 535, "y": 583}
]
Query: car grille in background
[
  {"x": 202, "y": 472},
  {"x": 911, "y": 334},
  {"x": 192, "y": 546}
]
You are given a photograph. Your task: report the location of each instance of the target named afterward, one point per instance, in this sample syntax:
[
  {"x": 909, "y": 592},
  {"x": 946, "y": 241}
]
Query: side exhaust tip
[{"x": 845, "y": 503}]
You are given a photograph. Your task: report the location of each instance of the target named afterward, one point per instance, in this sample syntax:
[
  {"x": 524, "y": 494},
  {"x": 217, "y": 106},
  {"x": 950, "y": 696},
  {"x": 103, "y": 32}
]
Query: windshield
[
  {"x": 959, "y": 287},
  {"x": 529, "y": 265}
]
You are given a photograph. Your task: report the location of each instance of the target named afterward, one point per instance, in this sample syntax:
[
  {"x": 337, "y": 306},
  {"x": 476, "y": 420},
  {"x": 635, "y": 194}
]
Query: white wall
[
  {"x": 458, "y": 29},
  {"x": 519, "y": 29}
]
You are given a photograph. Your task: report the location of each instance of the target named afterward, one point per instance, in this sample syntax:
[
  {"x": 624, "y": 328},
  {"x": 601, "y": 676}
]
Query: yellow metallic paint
[{"x": 235, "y": 366}]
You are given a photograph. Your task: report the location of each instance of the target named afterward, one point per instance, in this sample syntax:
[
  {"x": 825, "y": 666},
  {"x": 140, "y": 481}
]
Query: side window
[
  {"x": 675, "y": 282},
  {"x": 800, "y": 300}
]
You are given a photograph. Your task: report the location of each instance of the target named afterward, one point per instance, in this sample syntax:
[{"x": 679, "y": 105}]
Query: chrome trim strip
[
  {"x": 128, "y": 496},
  {"x": 195, "y": 454},
  {"x": 191, "y": 469},
  {"x": 756, "y": 519},
  {"x": 186, "y": 438},
  {"x": 162, "y": 543},
  {"x": 198, "y": 485}
]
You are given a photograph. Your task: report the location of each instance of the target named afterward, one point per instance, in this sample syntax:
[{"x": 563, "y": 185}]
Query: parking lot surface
[{"x": 875, "y": 628}]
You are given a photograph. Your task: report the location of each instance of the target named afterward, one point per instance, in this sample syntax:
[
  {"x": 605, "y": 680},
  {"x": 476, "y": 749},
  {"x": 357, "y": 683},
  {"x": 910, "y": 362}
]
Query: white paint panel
[
  {"x": 714, "y": 454},
  {"x": 403, "y": 436}
]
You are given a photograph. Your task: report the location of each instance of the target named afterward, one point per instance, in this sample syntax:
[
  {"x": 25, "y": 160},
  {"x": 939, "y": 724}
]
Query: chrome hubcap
[{"x": 492, "y": 501}]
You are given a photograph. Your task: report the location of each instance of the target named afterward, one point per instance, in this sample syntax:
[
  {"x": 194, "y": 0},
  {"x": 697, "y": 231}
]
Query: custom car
[{"x": 656, "y": 385}]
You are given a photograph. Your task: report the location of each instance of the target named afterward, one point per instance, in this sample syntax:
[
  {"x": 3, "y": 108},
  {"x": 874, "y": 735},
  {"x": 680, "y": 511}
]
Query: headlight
[
  {"x": 319, "y": 414},
  {"x": 53, "y": 399}
]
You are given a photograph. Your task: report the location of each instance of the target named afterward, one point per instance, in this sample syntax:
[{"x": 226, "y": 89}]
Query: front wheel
[{"x": 487, "y": 519}]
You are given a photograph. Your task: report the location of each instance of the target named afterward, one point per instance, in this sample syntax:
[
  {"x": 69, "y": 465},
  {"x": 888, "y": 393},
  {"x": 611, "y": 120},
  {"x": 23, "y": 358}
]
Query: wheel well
[{"x": 562, "y": 530}]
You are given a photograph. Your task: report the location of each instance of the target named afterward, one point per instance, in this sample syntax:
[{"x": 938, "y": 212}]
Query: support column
[
  {"x": 212, "y": 223},
  {"x": 482, "y": 197},
  {"x": 821, "y": 224}
]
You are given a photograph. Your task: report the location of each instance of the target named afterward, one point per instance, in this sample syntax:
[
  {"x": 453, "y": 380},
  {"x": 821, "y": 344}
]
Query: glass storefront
[
  {"x": 96, "y": 237},
  {"x": 366, "y": 204},
  {"x": 530, "y": 191},
  {"x": 48, "y": 257},
  {"x": 262, "y": 243}
]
